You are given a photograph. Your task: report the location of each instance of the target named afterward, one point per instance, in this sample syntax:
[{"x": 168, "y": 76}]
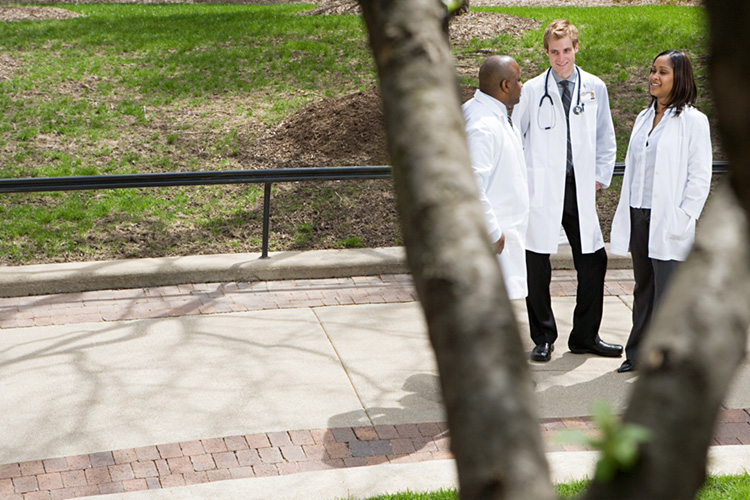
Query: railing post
[{"x": 266, "y": 219}]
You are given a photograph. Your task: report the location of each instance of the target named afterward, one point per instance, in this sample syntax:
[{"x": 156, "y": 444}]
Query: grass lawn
[
  {"x": 716, "y": 488},
  {"x": 128, "y": 88}
]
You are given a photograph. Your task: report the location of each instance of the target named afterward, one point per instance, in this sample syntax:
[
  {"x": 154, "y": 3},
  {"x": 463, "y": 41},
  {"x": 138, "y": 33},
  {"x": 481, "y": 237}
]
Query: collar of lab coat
[
  {"x": 647, "y": 116},
  {"x": 668, "y": 113},
  {"x": 493, "y": 104}
]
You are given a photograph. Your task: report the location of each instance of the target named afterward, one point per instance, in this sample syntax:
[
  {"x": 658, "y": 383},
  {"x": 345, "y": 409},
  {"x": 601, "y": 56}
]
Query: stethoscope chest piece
[{"x": 551, "y": 118}]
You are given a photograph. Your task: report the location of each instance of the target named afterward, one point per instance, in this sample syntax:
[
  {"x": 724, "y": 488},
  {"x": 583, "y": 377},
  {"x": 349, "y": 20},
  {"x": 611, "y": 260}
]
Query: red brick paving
[
  {"x": 262, "y": 454},
  {"x": 202, "y": 298},
  {"x": 215, "y": 298},
  {"x": 267, "y": 454}
]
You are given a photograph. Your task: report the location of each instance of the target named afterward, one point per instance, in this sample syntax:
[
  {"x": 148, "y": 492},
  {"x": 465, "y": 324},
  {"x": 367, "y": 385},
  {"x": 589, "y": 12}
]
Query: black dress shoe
[
  {"x": 600, "y": 348},
  {"x": 626, "y": 366},
  {"x": 542, "y": 352}
]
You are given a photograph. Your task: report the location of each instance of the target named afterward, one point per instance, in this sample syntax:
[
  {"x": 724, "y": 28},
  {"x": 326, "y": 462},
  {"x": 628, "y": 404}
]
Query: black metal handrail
[
  {"x": 719, "y": 167},
  {"x": 266, "y": 177},
  {"x": 168, "y": 179},
  {"x": 171, "y": 179}
]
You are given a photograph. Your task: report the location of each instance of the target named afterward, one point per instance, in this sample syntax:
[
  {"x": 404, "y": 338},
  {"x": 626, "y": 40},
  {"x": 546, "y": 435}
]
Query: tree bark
[
  {"x": 484, "y": 374},
  {"x": 688, "y": 361},
  {"x": 730, "y": 82}
]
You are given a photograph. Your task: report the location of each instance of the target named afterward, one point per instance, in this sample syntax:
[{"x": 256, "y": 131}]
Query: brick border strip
[
  {"x": 270, "y": 454},
  {"x": 202, "y": 298},
  {"x": 213, "y": 298},
  {"x": 218, "y": 459}
]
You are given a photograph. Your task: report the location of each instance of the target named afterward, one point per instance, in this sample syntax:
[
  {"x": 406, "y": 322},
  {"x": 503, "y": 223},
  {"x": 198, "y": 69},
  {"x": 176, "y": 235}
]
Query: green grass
[
  {"x": 138, "y": 56},
  {"x": 130, "y": 88},
  {"x": 611, "y": 38},
  {"x": 351, "y": 242},
  {"x": 716, "y": 488},
  {"x": 726, "y": 488},
  {"x": 409, "y": 495},
  {"x": 166, "y": 52}
]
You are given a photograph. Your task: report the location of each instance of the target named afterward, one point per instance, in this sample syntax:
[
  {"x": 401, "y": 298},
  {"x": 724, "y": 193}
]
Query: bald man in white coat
[{"x": 498, "y": 163}]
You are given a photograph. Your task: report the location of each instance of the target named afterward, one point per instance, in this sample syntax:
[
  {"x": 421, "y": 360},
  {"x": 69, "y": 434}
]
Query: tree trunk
[
  {"x": 730, "y": 82},
  {"x": 688, "y": 360},
  {"x": 484, "y": 374}
]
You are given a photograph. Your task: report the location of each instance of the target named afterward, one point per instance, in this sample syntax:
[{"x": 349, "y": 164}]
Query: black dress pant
[
  {"x": 591, "y": 269},
  {"x": 651, "y": 278}
]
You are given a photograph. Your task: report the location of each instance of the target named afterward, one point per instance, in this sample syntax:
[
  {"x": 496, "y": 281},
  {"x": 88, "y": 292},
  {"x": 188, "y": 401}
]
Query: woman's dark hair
[{"x": 684, "y": 90}]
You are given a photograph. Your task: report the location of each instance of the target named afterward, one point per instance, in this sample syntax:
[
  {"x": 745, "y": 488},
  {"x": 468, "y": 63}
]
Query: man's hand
[
  {"x": 499, "y": 245},
  {"x": 598, "y": 186}
]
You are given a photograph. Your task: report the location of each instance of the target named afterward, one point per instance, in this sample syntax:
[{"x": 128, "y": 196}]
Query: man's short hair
[{"x": 560, "y": 28}]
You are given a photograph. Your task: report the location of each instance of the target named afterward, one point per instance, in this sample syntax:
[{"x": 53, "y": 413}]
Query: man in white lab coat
[
  {"x": 569, "y": 143},
  {"x": 497, "y": 160}
]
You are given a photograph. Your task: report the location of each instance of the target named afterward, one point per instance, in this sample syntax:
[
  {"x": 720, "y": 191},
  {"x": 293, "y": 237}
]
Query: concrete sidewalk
[{"x": 301, "y": 388}]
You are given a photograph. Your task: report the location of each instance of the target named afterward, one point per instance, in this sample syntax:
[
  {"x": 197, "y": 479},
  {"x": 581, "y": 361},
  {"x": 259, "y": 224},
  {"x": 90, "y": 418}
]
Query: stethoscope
[{"x": 577, "y": 109}]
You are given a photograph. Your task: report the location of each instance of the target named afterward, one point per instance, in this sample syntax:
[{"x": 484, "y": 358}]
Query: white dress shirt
[{"x": 644, "y": 147}]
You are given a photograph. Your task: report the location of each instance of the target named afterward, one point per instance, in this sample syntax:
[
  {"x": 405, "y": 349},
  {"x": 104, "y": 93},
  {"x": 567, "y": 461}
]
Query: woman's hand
[{"x": 499, "y": 245}]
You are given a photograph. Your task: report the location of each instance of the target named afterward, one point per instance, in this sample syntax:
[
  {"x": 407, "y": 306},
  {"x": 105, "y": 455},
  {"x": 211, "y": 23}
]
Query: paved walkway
[
  {"x": 214, "y": 298},
  {"x": 222, "y": 389}
]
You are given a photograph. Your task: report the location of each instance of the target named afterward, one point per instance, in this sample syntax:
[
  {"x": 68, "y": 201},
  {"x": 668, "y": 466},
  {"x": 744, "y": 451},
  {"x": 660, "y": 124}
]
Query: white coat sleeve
[
  {"x": 699, "y": 166},
  {"x": 606, "y": 144},
  {"x": 483, "y": 147}
]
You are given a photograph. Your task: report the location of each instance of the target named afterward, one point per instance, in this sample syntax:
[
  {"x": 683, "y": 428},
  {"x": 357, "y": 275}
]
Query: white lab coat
[
  {"x": 682, "y": 180},
  {"x": 593, "y": 145},
  {"x": 498, "y": 163}
]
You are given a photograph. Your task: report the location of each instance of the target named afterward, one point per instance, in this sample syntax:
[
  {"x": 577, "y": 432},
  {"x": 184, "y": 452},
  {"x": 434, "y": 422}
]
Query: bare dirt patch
[
  {"x": 24, "y": 13},
  {"x": 484, "y": 25},
  {"x": 8, "y": 66},
  {"x": 349, "y": 130}
]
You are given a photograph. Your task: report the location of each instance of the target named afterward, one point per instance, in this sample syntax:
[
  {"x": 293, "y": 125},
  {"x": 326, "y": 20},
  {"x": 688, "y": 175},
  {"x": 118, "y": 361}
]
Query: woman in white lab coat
[{"x": 667, "y": 180}]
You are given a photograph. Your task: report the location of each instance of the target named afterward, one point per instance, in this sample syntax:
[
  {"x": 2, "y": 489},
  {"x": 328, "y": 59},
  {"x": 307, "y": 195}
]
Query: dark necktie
[
  {"x": 566, "y": 104},
  {"x": 510, "y": 121}
]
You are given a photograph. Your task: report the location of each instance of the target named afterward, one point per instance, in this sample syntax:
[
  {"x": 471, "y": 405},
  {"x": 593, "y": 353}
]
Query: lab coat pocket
[
  {"x": 536, "y": 187},
  {"x": 590, "y": 115},
  {"x": 682, "y": 226}
]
